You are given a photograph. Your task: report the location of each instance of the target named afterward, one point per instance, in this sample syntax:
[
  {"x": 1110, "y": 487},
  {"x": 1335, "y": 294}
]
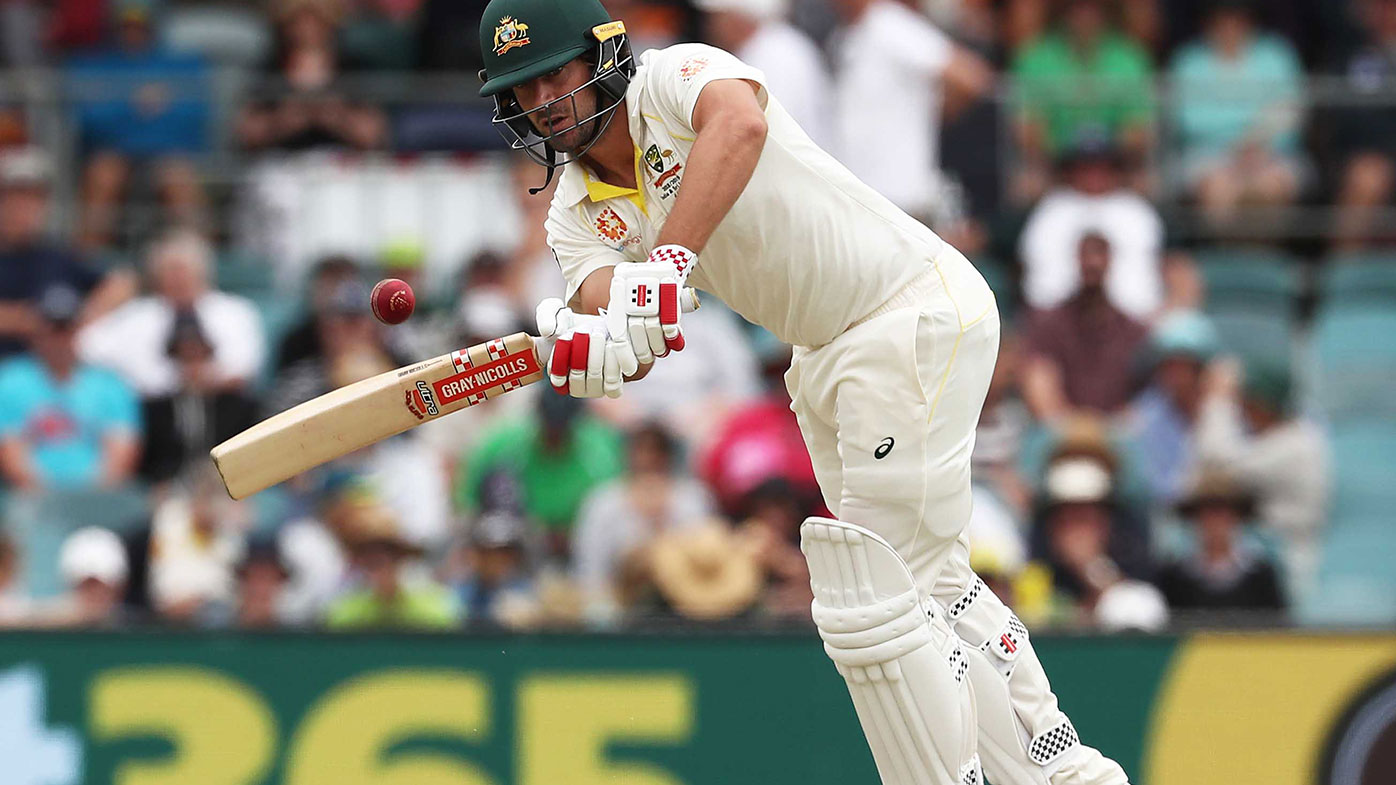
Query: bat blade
[{"x": 353, "y": 417}]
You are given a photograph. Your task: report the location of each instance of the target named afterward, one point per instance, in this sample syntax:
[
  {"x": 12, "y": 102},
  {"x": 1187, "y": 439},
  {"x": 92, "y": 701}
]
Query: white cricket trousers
[{"x": 888, "y": 411}]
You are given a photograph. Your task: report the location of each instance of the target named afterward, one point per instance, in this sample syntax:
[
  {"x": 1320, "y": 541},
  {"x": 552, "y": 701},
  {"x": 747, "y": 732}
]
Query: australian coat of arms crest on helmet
[{"x": 510, "y": 34}]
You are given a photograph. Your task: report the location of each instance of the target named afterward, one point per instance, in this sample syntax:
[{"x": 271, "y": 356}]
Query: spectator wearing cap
[
  {"x": 1238, "y": 113},
  {"x": 1251, "y": 427},
  {"x": 389, "y": 591},
  {"x": 1081, "y": 354},
  {"x": 140, "y": 108},
  {"x": 135, "y": 339},
  {"x": 261, "y": 578},
  {"x": 94, "y": 567},
  {"x": 30, "y": 263},
  {"x": 706, "y": 572},
  {"x": 496, "y": 585},
  {"x": 1224, "y": 571},
  {"x": 558, "y": 456},
  {"x": 1092, "y": 199},
  {"x": 180, "y": 428},
  {"x": 621, "y": 519},
  {"x": 896, "y": 73},
  {"x": 1083, "y": 79},
  {"x": 197, "y": 536},
  {"x": 1084, "y": 537},
  {"x": 756, "y": 31},
  {"x": 1164, "y": 418},
  {"x": 64, "y": 423}
]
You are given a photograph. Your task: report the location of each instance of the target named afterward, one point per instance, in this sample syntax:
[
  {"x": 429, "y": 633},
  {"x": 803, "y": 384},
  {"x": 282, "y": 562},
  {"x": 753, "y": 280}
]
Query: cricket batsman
[{"x": 682, "y": 170}]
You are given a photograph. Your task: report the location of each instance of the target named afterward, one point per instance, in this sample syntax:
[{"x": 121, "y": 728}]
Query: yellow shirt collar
[{"x": 598, "y": 191}]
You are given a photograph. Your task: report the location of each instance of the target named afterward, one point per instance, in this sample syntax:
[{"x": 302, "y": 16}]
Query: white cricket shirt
[{"x": 806, "y": 250}]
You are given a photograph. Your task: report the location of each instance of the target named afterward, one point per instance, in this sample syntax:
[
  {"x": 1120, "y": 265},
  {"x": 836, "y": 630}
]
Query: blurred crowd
[{"x": 1157, "y": 442}]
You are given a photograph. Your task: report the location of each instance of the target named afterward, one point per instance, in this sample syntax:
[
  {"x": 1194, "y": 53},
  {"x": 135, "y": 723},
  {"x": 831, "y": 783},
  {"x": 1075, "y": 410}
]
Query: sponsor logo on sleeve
[{"x": 692, "y": 67}]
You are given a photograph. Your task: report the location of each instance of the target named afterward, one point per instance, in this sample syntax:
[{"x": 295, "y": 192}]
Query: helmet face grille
[{"x": 615, "y": 65}]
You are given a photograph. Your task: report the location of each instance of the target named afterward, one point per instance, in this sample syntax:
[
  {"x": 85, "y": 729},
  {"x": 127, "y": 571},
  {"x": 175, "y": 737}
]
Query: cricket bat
[{"x": 357, "y": 415}]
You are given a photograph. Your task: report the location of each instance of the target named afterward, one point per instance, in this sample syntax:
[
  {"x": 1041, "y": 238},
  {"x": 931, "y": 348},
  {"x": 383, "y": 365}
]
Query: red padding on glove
[
  {"x": 676, "y": 343},
  {"x": 559, "y": 364},
  {"x": 581, "y": 351},
  {"x": 668, "y": 303}
]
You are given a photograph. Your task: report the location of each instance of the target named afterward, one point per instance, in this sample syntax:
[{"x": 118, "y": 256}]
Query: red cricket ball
[{"x": 392, "y": 301}]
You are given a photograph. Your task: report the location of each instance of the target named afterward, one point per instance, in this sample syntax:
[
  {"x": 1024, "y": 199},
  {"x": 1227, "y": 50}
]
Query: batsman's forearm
[{"x": 721, "y": 164}]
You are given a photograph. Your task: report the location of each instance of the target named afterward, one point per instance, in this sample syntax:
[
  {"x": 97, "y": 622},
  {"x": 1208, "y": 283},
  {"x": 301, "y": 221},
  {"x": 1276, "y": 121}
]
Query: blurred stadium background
[{"x": 1183, "y": 473}]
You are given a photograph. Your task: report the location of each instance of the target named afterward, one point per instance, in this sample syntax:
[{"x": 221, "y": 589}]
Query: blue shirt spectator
[
  {"x": 63, "y": 424},
  {"x": 1238, "y": 110},
  {"x": 137, "y": 98},
  {"x": 30, "y": 263}
]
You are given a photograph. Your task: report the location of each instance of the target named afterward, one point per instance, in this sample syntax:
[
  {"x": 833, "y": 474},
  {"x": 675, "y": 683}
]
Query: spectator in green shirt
[
  {"x": 557, "y": 457},
  {"x": 1083, "y": 80},
  {"x": 387, "y": 593}
]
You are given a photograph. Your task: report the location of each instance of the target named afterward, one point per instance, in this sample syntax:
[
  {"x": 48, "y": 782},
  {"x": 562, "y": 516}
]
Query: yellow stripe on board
[{"x": 1257, "y": 708}]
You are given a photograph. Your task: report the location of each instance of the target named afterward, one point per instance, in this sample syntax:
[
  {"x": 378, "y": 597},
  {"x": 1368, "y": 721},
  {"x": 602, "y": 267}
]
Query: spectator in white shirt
[
  {"x": 133, "y": 339},
  {"x": 1093, "y": 200},
  {"x": 895, "y": 73},
  {"x": 796, "y": 74}
]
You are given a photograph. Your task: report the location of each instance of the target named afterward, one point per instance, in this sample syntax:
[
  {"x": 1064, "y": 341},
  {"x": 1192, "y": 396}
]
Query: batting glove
[
  {"x": 585, "y": 362},
  {"x": 644, "y": 304}
]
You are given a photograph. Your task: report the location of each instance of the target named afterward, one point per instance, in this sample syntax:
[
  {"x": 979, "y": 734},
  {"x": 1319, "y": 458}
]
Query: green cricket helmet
[{"x": 522, "y": 40}]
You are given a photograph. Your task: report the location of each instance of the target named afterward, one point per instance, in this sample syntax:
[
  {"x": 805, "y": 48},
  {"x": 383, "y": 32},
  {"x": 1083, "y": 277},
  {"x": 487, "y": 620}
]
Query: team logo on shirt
[
  {"x": 692, "y": 67},
  {"x": 610, "y": 226},
  {"x": 510, "y": 34},
  {"x": 655, "y": 159}
]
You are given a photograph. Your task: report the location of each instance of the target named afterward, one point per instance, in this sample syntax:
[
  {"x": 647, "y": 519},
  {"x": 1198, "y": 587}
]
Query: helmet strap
[{"x": 552, "y": 168}]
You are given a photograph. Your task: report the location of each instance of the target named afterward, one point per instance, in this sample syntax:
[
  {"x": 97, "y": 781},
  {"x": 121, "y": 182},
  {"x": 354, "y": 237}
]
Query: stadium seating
[
  {"x": 1359, "y": 278},
  {"x": 1355, "y": 360},
  {"x": 1251, "y": 279},
  {"x": 1256, "y": 336},
  {"x": 1356, "y": 583},
  {"x": 1363, "y": 454},
  {"x": 1251, "y": 298}
]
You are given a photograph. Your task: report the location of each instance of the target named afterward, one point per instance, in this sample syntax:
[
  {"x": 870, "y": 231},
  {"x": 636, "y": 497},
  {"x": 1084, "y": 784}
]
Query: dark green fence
[{"x": 221, "y": 709}]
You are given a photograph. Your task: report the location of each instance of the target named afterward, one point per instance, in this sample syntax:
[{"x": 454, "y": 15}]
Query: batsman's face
[{"x": 557, "y": 106}]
